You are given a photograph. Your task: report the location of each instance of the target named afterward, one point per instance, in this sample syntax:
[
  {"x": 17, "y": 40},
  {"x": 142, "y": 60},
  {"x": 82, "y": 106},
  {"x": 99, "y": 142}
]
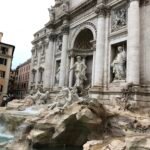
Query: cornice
[
  {"x": 81, "y": 52},
  {"x": 36, "y": 40},
  {"x": 71, "y": 14},
  {"x": 144, "y": 2}
]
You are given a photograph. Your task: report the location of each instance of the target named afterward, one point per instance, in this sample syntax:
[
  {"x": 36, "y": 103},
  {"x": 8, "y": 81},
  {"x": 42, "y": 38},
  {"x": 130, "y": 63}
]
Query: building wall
[
  {"x": 74, "y": 4},
  {"x": 23, "y": 78},
  {"x": 5, "y": 67}
]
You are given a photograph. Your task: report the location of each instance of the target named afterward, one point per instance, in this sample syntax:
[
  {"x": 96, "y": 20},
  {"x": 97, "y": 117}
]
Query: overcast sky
[{"x": 19, "y": 20}]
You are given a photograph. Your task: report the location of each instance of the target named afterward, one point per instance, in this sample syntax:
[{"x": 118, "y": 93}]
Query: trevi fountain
[{"x": 89, "y": 85}]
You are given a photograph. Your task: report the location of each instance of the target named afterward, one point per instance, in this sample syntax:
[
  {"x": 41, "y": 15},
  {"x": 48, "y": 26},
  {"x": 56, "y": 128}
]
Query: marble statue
[
  {"x": 65, "y": 6},
  {"x": 65, "y": 98},
  {"x": 43, "y": 97},
  {"x": 51, "y": 13},
  {"x": 59, "y": 44},
  {"x": 57, "y": 74},
  {"x": 118, "y": 64},
  {"x": 80, "y": 72},
  {"x": 58, "y": 2},
  {"x": 38, "y": 97},
  {"x": 34, "y": 97}
]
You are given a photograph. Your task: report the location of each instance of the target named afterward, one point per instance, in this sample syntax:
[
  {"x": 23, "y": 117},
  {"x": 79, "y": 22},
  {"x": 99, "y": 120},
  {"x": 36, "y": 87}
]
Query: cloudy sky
[{"x": 19, "y": 20}]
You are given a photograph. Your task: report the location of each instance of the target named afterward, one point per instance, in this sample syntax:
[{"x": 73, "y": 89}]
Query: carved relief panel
[{"x": 118, "y": 18}]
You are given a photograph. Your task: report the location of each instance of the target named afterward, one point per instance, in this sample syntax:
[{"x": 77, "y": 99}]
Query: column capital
[
  {"x": 52, "y": 36},
  {"x": 133, "y": 0},
  {"x": 130, "y": 1},
  {"x": 65, "y": 29},
  {"x": 102, "y": 10}
]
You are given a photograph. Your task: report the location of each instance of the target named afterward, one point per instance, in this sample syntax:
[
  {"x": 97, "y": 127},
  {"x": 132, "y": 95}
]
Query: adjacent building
[
  {"x": 6, "y": 56},
  {"x": 110, "y": 36},
  {"x": 22, "y": 79},
  {"x": 12, "y": 82}
]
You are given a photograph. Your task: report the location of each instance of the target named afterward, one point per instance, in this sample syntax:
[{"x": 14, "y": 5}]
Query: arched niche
[
  {"x": 88, "y": 26},
  {"x": 83, "y": 46},
  {"x": 84, "y": 39}
]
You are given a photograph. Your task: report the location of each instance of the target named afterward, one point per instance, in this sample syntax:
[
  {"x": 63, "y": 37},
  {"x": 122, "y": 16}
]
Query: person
[
  {"x": 118, "y": 64},
  {"x": 80, "y": 72}
]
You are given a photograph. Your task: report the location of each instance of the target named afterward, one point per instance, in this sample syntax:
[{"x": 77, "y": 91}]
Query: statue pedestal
[{"x": 107, "y": 95}]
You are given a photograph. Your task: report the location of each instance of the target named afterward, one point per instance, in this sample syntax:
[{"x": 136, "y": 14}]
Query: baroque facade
[{"x": 111, "y": 38}]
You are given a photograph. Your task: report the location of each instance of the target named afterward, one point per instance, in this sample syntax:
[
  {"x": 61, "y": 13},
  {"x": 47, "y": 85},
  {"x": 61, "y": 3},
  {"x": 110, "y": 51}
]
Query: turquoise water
[{"x": 5, "y": 138}]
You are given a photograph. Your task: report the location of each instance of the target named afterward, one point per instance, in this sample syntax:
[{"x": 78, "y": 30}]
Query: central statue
[{"x": 80, "y": 72}]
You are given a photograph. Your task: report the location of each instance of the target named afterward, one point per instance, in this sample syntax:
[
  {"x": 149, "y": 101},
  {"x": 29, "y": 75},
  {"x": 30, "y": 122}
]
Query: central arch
[
  {"x": 85, "y": 26},
  {"x": 83, "y": 46},
  {"x": 84, "y": 39}
]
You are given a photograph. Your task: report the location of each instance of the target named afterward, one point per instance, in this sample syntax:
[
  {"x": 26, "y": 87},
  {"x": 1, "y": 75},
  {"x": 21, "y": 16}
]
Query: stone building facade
[
  {"x": 22, "y": 79},
  {"x": 110, "y": 36},
  {"x": 6, "y": 56}
]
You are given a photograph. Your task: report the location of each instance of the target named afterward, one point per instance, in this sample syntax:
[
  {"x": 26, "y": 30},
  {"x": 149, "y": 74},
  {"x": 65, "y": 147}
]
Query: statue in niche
[
  {"x": 119, "y": 19},
  {"x": 80, "y": 72},
  {"x": 119, "y": 64},
  {"x": 51, "y": 13},
  {"x": 59, "y": 44},
  {"x": 57, "y": 74},
  {"x": 66, "y": 6},
  {"x": 58, "y": 2}
]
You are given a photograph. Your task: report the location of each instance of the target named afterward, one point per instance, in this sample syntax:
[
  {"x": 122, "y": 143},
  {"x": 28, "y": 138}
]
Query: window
[
  {"x": 2, "y": 74},
  {"x": 3, "y": 61},
  {"x": 1, "y": 88},
  {"x": 33, "y": 75},
  {"x": 4, "y": 50},
  {"x": 41, "y": 71}
]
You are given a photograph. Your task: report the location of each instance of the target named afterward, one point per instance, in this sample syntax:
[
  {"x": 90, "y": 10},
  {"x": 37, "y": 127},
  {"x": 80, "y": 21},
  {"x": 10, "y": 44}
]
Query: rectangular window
[
  {"x": 4, "y": 50},
  {"x": 1, "y": 88},
  {"x": 2, "y": 74},
  {"x": 3, "y": 61}
]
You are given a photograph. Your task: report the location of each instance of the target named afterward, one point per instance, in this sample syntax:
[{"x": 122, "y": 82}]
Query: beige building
[{"x": 6, "y": 56}]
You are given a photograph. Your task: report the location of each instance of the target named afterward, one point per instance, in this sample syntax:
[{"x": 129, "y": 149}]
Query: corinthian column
[
  {"x": 63, "y": 64},
  {"x": 49, "y": 63},
  {"x": 133, "y": 43},
  {"x": 100, "y": 46}
]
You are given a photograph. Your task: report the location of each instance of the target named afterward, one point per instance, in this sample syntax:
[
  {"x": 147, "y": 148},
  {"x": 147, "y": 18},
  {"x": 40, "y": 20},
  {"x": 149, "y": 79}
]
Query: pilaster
[
  {"x": 49, "y": 61},
  {"x": 101, "y": 11},
  {"x": 63, "y": 69},
  {"x": 133, "y": 43}
]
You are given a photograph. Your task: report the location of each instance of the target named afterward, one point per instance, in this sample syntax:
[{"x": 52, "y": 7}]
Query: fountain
[
  {"x": 5, "y": 136},
  {"x": 69, "y": 121}
]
